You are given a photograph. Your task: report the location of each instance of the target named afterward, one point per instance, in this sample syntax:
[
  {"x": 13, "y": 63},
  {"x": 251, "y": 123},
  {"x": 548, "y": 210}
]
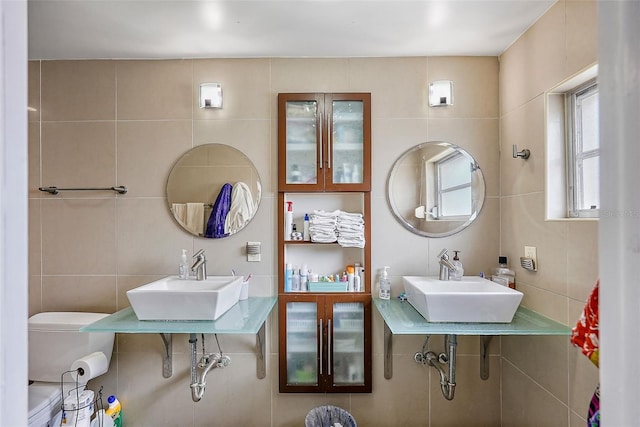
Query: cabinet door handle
[
  {"x": 329, "y": 142},
  {"x": 318, "y": 142},
  {"x": 329, "y": 348},
  {"x": 320, "y": 337}
]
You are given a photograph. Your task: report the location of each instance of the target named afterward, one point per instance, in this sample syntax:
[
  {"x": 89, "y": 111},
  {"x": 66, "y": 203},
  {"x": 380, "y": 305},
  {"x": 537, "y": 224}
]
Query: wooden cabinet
[
  {"x": 324, "y": 142},
  {"x": 325, "y": 343},
  {"x": 324, "y": 163}
]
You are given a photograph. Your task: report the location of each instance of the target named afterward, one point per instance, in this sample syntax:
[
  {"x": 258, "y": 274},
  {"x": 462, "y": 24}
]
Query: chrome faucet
[
  {"x": 445, "y": 265},
  {"x": 199, "y": 267}
]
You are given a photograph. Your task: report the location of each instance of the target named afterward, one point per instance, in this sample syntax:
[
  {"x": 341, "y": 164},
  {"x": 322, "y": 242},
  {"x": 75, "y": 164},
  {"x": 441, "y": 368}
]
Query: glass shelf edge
[
  {"x": 125, "y": 321},
  {"x": 403, "y": 319}
]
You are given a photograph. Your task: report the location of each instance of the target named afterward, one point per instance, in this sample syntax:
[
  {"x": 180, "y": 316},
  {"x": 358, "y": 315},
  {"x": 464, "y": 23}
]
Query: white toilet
[{"x": 55, "y": 343}]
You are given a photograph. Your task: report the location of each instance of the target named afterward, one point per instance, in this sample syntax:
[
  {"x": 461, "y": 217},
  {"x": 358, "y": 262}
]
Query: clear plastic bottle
[
  {"x": 114, "y": 410},
  {"x": 295, "y": 280},
  {"x": 503, "y": 274},
  {"x": 304, "y": 278},
  {"x": 183, "y": 267},
  {"x": 384, "y": 285}
]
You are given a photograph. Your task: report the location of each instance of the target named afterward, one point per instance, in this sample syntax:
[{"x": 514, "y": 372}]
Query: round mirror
[
  {"x": 213, "y": 191},
  {"x": 435, "y": 189}
]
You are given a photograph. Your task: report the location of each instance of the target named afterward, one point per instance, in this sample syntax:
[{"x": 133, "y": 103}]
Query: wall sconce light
[
  {"x": 210, "y": 95},
  {"x": 441, "y": 93}
]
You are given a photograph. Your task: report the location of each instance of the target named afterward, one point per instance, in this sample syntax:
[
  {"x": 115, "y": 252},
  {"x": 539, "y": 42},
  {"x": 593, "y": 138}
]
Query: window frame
[
  {"x": 574, "y": 153},
  {"x": 440, "y": 190}
]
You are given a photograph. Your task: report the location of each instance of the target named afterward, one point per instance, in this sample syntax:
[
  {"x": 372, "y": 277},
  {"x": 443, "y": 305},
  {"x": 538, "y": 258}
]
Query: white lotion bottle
[{"x": 183, "y": 267}]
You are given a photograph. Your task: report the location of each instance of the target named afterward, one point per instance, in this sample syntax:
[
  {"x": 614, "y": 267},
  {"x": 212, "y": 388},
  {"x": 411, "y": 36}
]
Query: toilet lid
[{"x": 44, "y": 397}]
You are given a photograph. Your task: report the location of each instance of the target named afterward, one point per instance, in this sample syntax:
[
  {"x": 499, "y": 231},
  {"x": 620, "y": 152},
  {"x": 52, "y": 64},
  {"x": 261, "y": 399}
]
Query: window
[
  {"x": 453, "y": 177},
  {"x": 583, "y": 151}
]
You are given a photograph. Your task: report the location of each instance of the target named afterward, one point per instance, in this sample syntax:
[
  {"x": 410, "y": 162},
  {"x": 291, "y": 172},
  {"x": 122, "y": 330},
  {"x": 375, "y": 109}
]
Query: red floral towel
[{"x": 585, "y": 333}]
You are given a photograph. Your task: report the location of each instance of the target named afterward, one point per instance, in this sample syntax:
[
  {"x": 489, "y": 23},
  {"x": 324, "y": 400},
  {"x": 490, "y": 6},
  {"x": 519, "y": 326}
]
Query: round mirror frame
[
  {"x": 477, "y": 188},
  {"x": 204, "y": 174}
]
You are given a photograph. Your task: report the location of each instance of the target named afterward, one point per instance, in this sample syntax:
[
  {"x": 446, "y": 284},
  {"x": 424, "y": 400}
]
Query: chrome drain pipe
[
  {"x": 200, "y": 369},
  {"x": 447, "y": 382}
]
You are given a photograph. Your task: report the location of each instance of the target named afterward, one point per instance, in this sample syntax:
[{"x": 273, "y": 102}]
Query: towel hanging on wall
[{"x": 586, "y": 336}]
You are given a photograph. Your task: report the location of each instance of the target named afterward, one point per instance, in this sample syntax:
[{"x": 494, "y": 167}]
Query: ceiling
[{"x": 157, "y": 29}]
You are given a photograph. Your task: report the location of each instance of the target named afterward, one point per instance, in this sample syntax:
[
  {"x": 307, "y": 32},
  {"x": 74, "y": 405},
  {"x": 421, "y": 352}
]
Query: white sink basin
[
  {"x": 172, "y": 298},
  {"x": 472, "y": 300}
]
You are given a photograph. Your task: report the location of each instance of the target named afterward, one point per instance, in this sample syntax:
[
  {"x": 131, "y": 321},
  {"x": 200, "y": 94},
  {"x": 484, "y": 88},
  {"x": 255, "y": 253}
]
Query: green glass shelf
[
  {"x": 246, "y": 317},
  {"x": 402, "y": 319}
]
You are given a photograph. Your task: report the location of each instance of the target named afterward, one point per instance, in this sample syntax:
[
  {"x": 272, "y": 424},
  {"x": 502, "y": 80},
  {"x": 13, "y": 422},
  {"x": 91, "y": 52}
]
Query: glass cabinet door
[
  {"x": 302, "y": 136},
  {"x": 302, "y": 343},
  {"x": 347, "y": 141},
  {"x": 347, "y": 343}
]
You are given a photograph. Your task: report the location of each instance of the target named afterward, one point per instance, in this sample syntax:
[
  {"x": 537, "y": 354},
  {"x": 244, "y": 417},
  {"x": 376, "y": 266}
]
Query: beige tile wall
[
  {"x": 545, "y": 381},
  {"x": 105, "y": 123}
]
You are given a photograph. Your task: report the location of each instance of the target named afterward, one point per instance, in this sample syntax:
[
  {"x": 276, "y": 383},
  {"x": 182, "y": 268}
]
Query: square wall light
[
  {"x": 210, "y": 95},
  {"x": 441, "y": 93}
]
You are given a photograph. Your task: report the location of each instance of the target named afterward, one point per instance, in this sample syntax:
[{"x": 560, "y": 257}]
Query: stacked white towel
[
  {"x": 344, "y": 227},
  {"x": 322, "y": 226},
  {"x": 350, "y": 230}
]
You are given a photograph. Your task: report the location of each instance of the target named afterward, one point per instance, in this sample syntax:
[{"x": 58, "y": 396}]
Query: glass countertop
[
  {"x": 403, "y": 319},
  {"x": 246, "y": 317}
]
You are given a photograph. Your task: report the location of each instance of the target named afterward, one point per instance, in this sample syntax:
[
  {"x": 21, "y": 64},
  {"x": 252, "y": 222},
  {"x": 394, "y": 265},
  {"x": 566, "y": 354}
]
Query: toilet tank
[{"x": 55, "y": 342}]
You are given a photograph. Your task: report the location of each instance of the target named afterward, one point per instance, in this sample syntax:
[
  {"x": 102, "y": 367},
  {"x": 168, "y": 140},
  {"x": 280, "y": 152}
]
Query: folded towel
[
  {"x": 215, "y": 225},
  {"x": 194, "y": 218},
  {"x": 586, "y": 332},
  {"x": 241, "y": 210}
]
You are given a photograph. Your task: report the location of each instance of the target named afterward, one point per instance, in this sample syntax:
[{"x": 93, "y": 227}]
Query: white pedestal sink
[
  {"x": 472, "y": 299},
  {"x": 172, "y": 298}
]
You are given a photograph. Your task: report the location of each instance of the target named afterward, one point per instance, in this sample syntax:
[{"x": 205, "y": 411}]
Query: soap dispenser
[
  {"x": 458, "y": 271},
  {"x": 384, "y": 285},
  {"x": 183, "y": 267}
]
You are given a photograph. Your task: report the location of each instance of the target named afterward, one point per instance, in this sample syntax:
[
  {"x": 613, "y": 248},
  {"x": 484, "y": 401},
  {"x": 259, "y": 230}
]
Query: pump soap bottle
[
  {"x": 384, "y": 285},
  {"x": 458, "y": 271},
  {"x": 183, "y": 267}
]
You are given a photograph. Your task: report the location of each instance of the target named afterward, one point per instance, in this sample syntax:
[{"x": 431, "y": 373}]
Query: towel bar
[{"x": 55, "y": 190}]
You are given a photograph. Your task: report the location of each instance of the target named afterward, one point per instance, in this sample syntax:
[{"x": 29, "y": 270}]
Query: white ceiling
[{"x": 82, "y": 29}]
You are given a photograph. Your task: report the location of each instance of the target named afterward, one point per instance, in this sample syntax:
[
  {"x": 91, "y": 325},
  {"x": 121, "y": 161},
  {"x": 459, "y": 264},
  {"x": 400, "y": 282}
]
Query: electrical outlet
[{"x": 531, "y": 252}]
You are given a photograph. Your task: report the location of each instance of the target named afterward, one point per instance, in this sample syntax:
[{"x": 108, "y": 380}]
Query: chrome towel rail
[{"x": 55, "y": 190}]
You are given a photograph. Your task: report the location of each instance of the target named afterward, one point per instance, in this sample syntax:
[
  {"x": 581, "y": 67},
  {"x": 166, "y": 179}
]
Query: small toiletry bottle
[
  {"x": 295, "y": 281},
  {"x": 357, "y": 287},
  {"x": 183, "y": 267},
  {"x": 305, "y": 228},
  {"x": 360, "y": 272},
  {"x": 288, "y": 278},
  {"x": 458, "y": 271},
  {"x": 502, "y": 273},
  {"x": 114, "y": 410},
  {"x": 384, "y": 285},
  {"x": 304, "y": 278},
  {"x": 288, "y": 221},
  {"x": 350, "y": 279}
]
